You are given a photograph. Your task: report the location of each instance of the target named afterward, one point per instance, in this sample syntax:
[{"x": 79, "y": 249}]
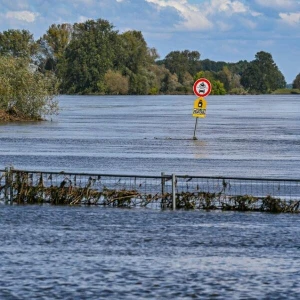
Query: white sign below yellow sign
[{"x": 199, "y": 110}]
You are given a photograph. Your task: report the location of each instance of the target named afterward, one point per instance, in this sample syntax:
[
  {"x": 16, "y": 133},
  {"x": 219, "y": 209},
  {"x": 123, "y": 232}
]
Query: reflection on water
[{"x": 200, "y": 149}]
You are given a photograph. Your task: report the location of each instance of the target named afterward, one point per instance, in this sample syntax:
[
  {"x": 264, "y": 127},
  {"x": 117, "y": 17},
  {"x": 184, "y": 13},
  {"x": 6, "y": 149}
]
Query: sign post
[{"x": 201, "y": 88}]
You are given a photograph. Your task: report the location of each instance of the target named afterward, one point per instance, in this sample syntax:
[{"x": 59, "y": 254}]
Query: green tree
[
  {"x": 25, "y": 91},
  {"x": 296, "y": 82},
  {"x": 135, "y": 59},
  {"x": 17, "y": 43},
  {"x": 134, "y": 53},
  {"x": 210, "y": 65},
  {"x": 115, "y": 83},
  {"x": 53, "y": 44},
  {"x": 262, "y": 75},
  {"x": 218, "y": 88},
  {"x": 89, "y": 55},
  {"x": 181, "y": 62}
]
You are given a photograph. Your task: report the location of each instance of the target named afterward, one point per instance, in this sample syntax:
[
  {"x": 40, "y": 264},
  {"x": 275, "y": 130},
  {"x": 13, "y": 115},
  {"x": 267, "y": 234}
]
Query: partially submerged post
[
  {"x": 8, "y": 188},
  {"x": 202, "y": 88},
  {"x": 194, "y": 137},
  {"x": 174, "y": 191},
  {"x": 163, "y": 201}
]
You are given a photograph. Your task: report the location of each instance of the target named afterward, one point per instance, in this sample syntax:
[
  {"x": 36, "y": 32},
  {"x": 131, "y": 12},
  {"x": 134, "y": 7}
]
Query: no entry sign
[{"x": 202, "y": 87}]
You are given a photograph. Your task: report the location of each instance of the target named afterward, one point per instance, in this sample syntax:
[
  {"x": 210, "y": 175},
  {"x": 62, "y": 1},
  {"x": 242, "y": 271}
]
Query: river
[
  {"x": 254, "y": 136},
  {"x": 50, "y": 252}
]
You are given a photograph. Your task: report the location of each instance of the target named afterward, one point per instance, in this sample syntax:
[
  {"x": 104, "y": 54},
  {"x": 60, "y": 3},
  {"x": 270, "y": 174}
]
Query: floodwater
[
  {"x": 52, "y": 252},
  {"x": 252, "y": 136},
  {"x": 97, "y": 253}
]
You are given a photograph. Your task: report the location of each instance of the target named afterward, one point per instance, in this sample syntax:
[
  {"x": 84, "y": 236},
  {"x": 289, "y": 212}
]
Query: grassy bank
[{"x": 286, "y": 92}]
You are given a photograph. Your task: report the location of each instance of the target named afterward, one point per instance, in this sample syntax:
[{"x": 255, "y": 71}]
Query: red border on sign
[{"x": 196, "y": 83}]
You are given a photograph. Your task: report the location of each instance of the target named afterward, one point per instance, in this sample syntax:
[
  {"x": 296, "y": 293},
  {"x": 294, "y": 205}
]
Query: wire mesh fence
[
  {"x": 165, "y": 191},
  {"x": 277, "y": 195},
  {"x": 3, "y": 183}
]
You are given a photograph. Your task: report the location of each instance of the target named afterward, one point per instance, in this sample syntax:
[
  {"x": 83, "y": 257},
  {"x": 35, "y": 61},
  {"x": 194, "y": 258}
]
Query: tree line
[{"x": 94, "y": 58}]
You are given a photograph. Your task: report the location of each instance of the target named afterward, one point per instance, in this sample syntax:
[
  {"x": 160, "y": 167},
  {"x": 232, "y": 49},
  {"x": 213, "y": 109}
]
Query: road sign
[
  {"x": 202, "y": 87},
  {"x": 199, "y": 110}
]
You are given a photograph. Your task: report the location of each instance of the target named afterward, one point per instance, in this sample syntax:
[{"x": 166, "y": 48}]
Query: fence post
[
  {"x": 162, "y": 190},
  {"x": 6, "y": 184},
  {"x": 174, "y": 191},
  {"x": 11, "y": 196}
]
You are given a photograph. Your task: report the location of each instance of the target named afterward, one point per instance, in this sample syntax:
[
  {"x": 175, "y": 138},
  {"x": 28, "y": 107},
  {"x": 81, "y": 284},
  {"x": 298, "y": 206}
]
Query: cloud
[
  {"x": 278, "y": 4},
  {"x": 228, "y": 7},
  {"x": 82, "y": 19},
  {"x": 193, "y": 17},
  {"x": 290, "y": 18},
  {"x": 24, "y": 15}
]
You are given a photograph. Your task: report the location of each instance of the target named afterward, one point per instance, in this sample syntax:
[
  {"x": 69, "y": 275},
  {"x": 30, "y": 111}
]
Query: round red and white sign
[{"x": 202, "y": 87}]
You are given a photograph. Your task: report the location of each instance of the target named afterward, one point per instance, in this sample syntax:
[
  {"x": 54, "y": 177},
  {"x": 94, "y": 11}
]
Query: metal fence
[{"x": 165, "y": 191}]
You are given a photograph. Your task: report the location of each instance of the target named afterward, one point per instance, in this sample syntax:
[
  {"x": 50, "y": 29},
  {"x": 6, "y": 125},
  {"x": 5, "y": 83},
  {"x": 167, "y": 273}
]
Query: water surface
[
  {"x": 108, "y": 253},
  {"x": 255, "y": 136},
  {"x": 95, "y": 253}
]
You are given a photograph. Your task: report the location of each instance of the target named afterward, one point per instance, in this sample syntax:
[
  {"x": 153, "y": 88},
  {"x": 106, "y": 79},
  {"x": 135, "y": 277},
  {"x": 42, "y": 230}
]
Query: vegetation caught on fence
[{"x": 24, "y": 187}]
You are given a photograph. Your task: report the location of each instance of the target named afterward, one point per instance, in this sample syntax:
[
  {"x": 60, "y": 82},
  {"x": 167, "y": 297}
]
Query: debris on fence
[{"x": 163, "y": 192}]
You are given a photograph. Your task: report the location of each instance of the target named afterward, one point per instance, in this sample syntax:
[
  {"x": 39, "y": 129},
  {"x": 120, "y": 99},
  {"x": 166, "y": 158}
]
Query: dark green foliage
[
  {"x": 262, "y": 75},
  {"x": 210, "y": 65},
  {"x": 296, "y": 82},
  {"x": 17, "y": 43},
  {"x": 53, "y": 45},
  {"x": 90, "y": 54},
  {"x": 180, "y": 62},
  {"x": 87, "y": 58},
  {"x": 239, "y": 67}
]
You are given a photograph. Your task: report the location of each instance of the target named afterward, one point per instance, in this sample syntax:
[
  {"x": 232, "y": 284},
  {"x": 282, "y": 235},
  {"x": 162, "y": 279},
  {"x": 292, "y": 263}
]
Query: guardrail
[{"x": 165, "y": 191}]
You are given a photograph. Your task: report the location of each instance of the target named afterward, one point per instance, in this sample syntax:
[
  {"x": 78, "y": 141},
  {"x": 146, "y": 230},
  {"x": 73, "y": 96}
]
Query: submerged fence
[{"x": 165, "y": 191}]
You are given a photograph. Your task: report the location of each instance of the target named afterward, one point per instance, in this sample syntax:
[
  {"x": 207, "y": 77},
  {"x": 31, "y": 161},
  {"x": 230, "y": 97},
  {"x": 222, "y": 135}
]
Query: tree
[
  {"x": 134, "y": 53},
  {"x": 89, "y": 55},
  {"x": 218, "y": 88},
  {"x": 296, "y": 82},
  {"x": 262, "y": 75},
  {"x": 53, "y": 44},
  {"x": 210, "y": 65},
  {"x": 181, "y": 62},
  {"x": 115, "y": 83},
  {"x": 17, "y": 43},
  {"x": 25, "y": 91}
]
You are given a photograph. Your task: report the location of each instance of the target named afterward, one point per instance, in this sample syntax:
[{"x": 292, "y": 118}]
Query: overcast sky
[{"x": 227, "y": 30}]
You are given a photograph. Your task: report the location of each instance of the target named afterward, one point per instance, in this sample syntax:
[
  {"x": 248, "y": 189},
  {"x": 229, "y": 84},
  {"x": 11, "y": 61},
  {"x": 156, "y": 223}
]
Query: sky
[{"x": 220, "y": 30}]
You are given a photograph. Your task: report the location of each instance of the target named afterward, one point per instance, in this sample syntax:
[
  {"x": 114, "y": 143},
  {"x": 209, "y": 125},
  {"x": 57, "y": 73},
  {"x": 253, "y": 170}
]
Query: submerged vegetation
[{"x": 21, "y": 187}]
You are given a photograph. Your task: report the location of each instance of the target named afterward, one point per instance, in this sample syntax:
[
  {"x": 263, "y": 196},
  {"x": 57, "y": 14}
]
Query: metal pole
[
  {"x": 11, "y": 196},
  {"x": 174, "y": 191},
  {"x": 194, "y": 137},
  {"x": 162, "y": 190},
  {"x": 6, "y": 185}
]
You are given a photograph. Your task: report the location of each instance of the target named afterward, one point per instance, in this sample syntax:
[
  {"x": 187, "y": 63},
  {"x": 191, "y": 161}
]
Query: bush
[{"x": 25, "y": 91}]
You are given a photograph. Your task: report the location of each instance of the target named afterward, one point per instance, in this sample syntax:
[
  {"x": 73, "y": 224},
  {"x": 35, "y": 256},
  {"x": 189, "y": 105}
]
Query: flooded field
[
  {"x": 256, "y": 136},
  {"x": 56, "y": 252}
]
